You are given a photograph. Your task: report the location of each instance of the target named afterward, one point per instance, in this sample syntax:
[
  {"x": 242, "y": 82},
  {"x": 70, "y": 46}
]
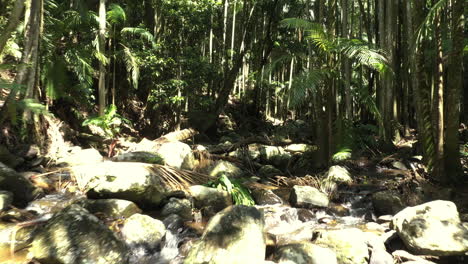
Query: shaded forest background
[{"x": 364, "y": 74}]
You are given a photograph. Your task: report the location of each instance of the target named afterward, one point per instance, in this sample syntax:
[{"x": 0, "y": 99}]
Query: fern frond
[
  {"x": 132, "y": 65},
  {"x": 116, "y": 14},
  {"x": 138, "y": 32}
]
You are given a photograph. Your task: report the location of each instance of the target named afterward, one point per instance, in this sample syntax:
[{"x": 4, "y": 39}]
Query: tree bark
[
  {"x": 454, "y": 88},
  {"x": 102, "y": 67},
  {"x": 13, "y": 22}
]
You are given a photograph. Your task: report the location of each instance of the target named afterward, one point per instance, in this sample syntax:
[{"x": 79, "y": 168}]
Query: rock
[
  {"x": 269, "y": 170},
  {"x": 305, "y": 215},
  {"x": 433, "y": 228},
  {"x": 139, "y": 156},
  {"x": 338, "y": 209},
  {"x": 180, "y": 207},
  {"x": 384, "y": 219},
  {"x": 305, "y": 253},
  {"x": 6, "y": 198},
  {"x": 80, "y": 156},
  {"x": 308, "y": 197},
  {"x": 234, "y": 235},
  {"x": 173, "y": 222},
  {"x": 266, "y": 197},
  {"x": 285, "y": 235},
  {"x": 210, "y": 197},
  {"x": 177, "y": 154},
  {"x": 27, "y": 151},
  {"x": 300, "y": 148},
  {"x": 275, "y": 156},
  {"x": 113, "y": 208},
  {"x": 222, "y": 167},
  {"x": 339, "y": 174},
  {"x": 74, "y": 236},
  {"x": 387, "y": 202},
  {"x": 136, "y": 182},
  {"x": 143, "y": 231},
  {"x": 9, "y": 159},
  {"x": 350, "y": 245},
  {"x": 399, "y": 165},
  {"x": 22, "y": 189},
  {"x": 379, "y": 255},
  {"x": 12, "y": 237}
]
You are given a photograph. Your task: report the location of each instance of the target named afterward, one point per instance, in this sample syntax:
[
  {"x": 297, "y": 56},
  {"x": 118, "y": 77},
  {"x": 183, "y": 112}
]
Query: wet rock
[
  {"x": 387, "y": 202},
  {"x": 113, "y": 208},
  {"x": 9, "y": 159},
  {"x": 350, "y": 245},
  {"x": 140, "y": 156},
  {"x": 284, "y": 235},
  {"x": 210, "y": 197},
  {"x": 433, "y": 228},
  {"x": 173, "y": 222},
  {"x": 143, "y": 231},
  {"x": 305, "y": 215},
  {"x": 300, "y": 148},
  {"x": 74, "y": 236},
  {"x": 6, "y": 198},
  {"x": 80, "y": 156},
  {"x": 266, "y": 197},
  {"x": 384, "y": 219},
  {"x": 235, "y": 235},
  {"x": 269, "y": 170},
  {"x": 28, "y": 152},
  {"x": 379, "y": 254},
  {"x": 12, "y": 237},
  {"x": 181, "y": 207},
  {"x": 308, "y": 197},
  {"x": 338, "y": 209},
  {"x": 339, "y": 174},
  {"x": 222, "y": 167},
  {"x": 136, "y": 182},
  {"x": 22, "y": 189},
  {"x": 305, "y": 253}
]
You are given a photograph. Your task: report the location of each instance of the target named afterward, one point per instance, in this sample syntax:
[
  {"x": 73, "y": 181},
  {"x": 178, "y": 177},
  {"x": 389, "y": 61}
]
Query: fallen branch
[{"x": 177, "y": 135}]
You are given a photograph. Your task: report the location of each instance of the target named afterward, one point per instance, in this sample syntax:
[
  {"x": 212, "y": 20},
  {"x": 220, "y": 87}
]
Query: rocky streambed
[{"x": 130, "y": 210}]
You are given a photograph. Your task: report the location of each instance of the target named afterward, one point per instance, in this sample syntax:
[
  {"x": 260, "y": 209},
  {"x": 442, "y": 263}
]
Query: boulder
[
  {"x": 300, "y": 148},
  {"x": 180, "y": 207},
  {"x": 9, "y": 159},
  {"x": 139, "y": 156},
  {"x": 80, "y": 156},
  {"x": 112, "y": 208},
  {"x": 74, "y": 236},
  {"x": 275, "y": 155},
  {"x": 6, "y": 198},
  {"x": 12, "y": 237},
  {"x": 222, "y": 167},
  {"x": 350, "y": 245},
  {"x": 177, "y": 154},
  {"x": 305, "y": 253},
  {"x": 143, "y": 231},
  {"x": 22, "y": 189},
  {"x": 266, "y": 197},
  {"x": 433, "y": 228},
  {"x": 339, "y": 174},
  {"x": 234, "y": 235},
  {"x": 308, "y": 197},
  {"x": 387, "y": 202},
  {"x": 210, "y": 197},
  {"x": 269, "y": 170},
  {"x": 136, "y": 182}
]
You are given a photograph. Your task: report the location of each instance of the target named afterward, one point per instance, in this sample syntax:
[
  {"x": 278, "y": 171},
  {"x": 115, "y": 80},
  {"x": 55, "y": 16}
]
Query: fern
[
  {"x": 109, "y": 122},
  {"x": 132, "y": 65},
  {"x": 116, "y": 14},
  {"x": 240, "y": 195},
  {"x": 138, "y": 32}
]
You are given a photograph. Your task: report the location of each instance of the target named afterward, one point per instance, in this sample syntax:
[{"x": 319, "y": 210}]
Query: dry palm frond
[{"x": 178, "y": 179}]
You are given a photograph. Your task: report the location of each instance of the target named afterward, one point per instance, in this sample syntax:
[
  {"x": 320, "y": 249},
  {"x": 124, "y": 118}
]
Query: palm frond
[
  {"x": 132, "y": 65},
  {"x": 116, "y": 14},
  {"x": 428, "y": 22},
  {"x": 138, "y": 32},
  {"x": 304, "y": 83},
  {"x": 363, "y": 54}
]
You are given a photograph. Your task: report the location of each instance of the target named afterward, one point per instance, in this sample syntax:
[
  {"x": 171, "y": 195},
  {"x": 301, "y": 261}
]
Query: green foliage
[
  {"x": 109, "y": 122},
  {"x": 342, "y": 154},
  {"x": 239, "y": 193}
]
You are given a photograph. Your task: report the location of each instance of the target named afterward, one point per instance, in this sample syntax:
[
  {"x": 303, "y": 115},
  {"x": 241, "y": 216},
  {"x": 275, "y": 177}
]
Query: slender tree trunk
[
  {"x": 13, "y": 22},
  {"x": 102, "y": 67},
  {"x": 346, "y": 62},
  {"x": 438, "y": 170},
  {"x": 455, "y": 82}
]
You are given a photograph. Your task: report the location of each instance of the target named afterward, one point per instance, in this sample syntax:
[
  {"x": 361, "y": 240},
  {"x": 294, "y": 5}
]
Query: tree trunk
[
  {"x": 102, "y": 67},
  {"x": 13, "y": 22},
  {"x": 455, "y": 82}
]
